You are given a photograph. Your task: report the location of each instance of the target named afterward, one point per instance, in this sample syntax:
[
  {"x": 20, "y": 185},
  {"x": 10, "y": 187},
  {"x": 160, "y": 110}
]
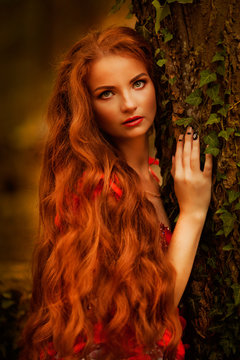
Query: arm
[{"x": 193, "y": 191}]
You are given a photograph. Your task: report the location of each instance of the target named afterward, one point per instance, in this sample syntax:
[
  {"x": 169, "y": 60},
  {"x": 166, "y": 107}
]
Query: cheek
[
  {"x": 150, "y": 102},
  {"x": 104, "y": 114},
  {"x": 100, "y": 111}
]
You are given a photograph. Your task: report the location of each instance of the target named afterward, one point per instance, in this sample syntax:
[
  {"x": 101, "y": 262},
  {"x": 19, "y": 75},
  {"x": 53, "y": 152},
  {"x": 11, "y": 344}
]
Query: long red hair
[{"x": 105, "y": 253}]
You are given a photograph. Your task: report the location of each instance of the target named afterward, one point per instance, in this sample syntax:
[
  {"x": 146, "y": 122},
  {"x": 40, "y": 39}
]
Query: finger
[
  {"x": 195, "y": 154},
  {"x": 178, "y": 156},
  {"x": 187, "y": 148},
  {"x": 207, "y": 171}
]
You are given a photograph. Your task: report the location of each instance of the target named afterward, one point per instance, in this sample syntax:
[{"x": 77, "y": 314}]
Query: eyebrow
[{"x": 113, "y": 87}]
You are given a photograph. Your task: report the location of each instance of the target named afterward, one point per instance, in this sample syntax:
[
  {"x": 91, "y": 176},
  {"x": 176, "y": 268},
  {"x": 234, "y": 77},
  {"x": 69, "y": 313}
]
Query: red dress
[{"x": 99, "y": 335}]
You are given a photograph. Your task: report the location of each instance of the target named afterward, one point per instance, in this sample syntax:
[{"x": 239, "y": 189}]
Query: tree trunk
[{"x": 199, "y": 53}]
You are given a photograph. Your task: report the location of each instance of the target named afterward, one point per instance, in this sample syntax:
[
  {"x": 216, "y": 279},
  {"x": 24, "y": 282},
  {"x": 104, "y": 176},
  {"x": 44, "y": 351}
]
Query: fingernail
[
  {"x": 180, "y": 137},
  {"x": 189, "y": 130},
  {"x": 195, "y": 135}
]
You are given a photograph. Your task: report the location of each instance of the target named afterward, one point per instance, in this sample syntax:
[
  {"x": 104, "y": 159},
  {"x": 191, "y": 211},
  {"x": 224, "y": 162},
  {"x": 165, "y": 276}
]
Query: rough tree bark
[{"x": 203, "y": 57}]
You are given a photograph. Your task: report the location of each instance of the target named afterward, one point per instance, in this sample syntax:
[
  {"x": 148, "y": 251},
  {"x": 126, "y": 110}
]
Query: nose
[{"x": 128, "y": 103}]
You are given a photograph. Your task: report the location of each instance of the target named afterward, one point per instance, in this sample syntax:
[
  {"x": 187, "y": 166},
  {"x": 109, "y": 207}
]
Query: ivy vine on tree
[{"x": 197, "y": 53}]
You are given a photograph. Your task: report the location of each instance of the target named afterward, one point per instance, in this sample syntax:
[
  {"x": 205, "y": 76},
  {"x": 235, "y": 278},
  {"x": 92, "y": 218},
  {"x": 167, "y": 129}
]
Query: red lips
[{"x": 132, "y": 119}]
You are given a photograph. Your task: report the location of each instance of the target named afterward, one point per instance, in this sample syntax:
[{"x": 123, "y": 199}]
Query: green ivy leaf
[
  {"x": 165, "y": 102},
  {"x": 211, "y": 139},
  {"x": 184, "y": 121},
  {"x": 226, "y": 133},
  {"x": 218, "y": 101},
  {"x": 116, "y": 6},
  {"x": 213, "y": 91},
  {"x": 237, "y": 133},
  {"x": 165, "y": 11},
  {"x": 233, "y": 195},
  {"x": 145, "y": 32},
  {"x": 227, "y": 92},
  {"x": 238, "y": 164},
  {"x": 220, "y": 232},
  {"x": 228, "y": 247},
  {"x": 228, "y": 220},
  {"x": 167, "y": 35},
  {"x": 157, "y": 51},
  {"x": 236, "y": 293},
  {"x": 221, "y": 69},
  {"x": 161, "y": 12},
  {"x": 164, "y": 78},
  {"x": 220, "y": 176},
  {"x": 218, "y": 57},
  {"x": 224, "y": 176},
  {"x": 206, "y": 77},
  {"x": 161, "y": 62},
  {"x": 221, "y": 211},
  {"x": 237, "y": 206},
  {"x": 195, "y": 98},
  {"x": 223, "y": 111},
  {"x": 213, "y": 119},
  {"x": 211, "y": 150},
  {"x": 213, "y": 144},
  {"x": 158, "y": 8}
]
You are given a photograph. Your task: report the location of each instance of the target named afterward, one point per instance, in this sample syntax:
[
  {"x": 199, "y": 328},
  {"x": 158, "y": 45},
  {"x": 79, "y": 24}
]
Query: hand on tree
[{"x": 192, "y": 186}]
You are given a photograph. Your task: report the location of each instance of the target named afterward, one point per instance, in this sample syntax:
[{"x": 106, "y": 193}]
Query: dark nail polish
[
  {"x": 180, "y": 139},
  {"x": 189, "y": 130},
  {"x": 195, "y": 135}
]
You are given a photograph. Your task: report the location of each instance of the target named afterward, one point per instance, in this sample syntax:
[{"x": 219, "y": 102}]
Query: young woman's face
[{"x": 123, "y": 96}]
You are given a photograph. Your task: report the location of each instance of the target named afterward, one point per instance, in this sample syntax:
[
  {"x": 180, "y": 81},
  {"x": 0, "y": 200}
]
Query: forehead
[{"x": 112, "y": 69}]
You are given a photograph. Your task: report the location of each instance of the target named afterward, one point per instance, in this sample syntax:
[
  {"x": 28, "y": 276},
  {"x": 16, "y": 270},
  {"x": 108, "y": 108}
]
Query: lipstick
[{"x": 133, "y": 121}]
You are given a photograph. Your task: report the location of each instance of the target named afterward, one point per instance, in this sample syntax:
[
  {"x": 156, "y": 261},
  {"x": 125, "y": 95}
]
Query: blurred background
[{"x": 35, "y": 34}]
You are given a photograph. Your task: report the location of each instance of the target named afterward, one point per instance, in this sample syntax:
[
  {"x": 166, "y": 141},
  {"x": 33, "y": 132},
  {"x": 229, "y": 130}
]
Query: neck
[{"x": 136, "y": 153}]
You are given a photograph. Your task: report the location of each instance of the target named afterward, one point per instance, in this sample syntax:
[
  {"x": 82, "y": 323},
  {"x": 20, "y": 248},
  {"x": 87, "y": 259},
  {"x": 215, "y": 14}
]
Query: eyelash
[{"x": 107, "y": 91}]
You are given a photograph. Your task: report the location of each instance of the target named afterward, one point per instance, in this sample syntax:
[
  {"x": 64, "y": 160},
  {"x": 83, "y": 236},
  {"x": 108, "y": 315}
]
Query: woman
[{"x": 106, "y": 282}]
